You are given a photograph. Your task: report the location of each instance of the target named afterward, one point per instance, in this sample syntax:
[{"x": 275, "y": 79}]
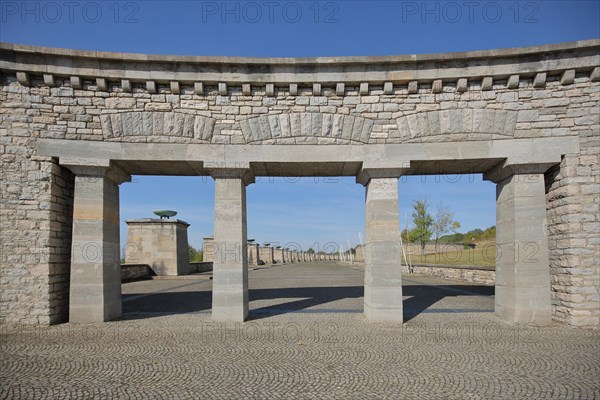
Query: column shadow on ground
[
  {"x": 423, "y": 297},
  {"x": 311, "y": 300}
]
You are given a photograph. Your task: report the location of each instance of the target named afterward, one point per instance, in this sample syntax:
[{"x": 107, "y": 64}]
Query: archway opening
[
  {"x": 312, "y": 223},
  {"x": 162, "y": 258}
]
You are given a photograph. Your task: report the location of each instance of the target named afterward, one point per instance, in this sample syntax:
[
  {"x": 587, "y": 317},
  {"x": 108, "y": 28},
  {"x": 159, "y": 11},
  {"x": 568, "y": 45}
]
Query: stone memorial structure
[
  {"x": 278, "y": 255},
  {"x": 76, "y": 124},
  {"x": 266, "y": 254},
  {"x": 161, "y": 244},
  {"x": 360, "y": 253},
  {"x": 208, "y": 249},
  {"x": 253, "y": 253}
]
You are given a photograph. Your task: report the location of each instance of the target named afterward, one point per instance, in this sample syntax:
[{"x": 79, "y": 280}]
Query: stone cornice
[{"x": 485, "y": 66}]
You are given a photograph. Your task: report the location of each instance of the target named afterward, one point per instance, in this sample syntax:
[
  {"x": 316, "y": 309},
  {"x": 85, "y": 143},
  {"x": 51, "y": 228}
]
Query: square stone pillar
[
  {"x": 360, "y": 254},
  {"x": 383, "y": 276},
  {"x": 208, "y": 249},
  {"x": 95, "y": 287},
  {"x": 522, "y": 261},
  {"x": 278, "y": 255},
  {"x": 266, "y": 254},
  {"x": 230, "y": 263},
  {"x": 253, "y": 257},
  {"x": 160, "y": 243}
]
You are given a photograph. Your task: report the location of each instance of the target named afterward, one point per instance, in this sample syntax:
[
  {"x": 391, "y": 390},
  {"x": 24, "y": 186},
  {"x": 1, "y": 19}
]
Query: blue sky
[{"x": 311, "y": 212}]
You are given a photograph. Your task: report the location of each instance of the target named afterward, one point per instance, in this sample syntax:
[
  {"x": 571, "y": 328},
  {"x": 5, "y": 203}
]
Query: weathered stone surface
[
  {"x": 383, "y": 274},
  {"x": 49, "y": 80},
  {"x": 522, "y": 273},
  {"x": 45, "y": 121},
  {"x": 160, "y": 244},
  {"x": 418, "y": 127},
  {"x": 513, "y": 82},
  {"x": 198, "y": 88},
  {"x": 568, "y": 77},
  {"x": 263, "y": 128},
  {"x": 413, "y": 87},
  {"x": 487, "y": 82},
  {"x": 230, "y": 261}
]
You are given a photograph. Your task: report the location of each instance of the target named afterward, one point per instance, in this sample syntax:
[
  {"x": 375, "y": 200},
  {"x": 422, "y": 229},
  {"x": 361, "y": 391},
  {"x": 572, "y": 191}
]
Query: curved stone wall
[{"x": 496, "y": 105}]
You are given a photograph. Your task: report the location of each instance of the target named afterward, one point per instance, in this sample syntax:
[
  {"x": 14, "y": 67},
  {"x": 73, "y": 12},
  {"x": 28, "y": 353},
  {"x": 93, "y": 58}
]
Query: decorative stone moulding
[{"x": 431, "y": 71}]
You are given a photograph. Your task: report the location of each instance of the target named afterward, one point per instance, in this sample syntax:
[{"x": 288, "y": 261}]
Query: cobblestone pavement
[{"x": 306, "y": 339}]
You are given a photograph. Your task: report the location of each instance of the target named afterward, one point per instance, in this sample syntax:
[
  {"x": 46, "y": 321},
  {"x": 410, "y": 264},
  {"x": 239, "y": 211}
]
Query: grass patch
[{"x": 483, "y": 256}]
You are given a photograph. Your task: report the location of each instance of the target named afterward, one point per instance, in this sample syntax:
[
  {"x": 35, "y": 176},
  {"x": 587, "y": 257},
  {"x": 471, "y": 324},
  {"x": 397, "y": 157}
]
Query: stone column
[
  {"x": 266, "y": 254},
  {"x": 360, "y": 254},
  {"x": 278, "y": 255},
  {"x": 383, "y": 276},
  {"x": 208, "y": 249},
  {"x": 95, "y": 287},
  {"x": 230, "y": 263},
  {"x": 522, "y": 262},
  {"x": 253, "y": 257}
]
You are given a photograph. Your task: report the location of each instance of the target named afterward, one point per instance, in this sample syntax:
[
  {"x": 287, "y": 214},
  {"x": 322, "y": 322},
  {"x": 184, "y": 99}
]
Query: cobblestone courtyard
[{"x": 306, "y": 338}]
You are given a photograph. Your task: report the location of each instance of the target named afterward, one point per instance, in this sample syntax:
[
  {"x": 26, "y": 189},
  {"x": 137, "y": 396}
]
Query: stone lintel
[{"x": 141, "y": 158}]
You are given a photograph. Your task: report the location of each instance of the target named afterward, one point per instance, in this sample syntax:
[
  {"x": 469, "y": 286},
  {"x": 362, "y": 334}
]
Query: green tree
[
  {"x": 194, "y": 255},
  {"x": 310, "y": 251},
  {"x": 423, "y": 223},
  {"x": 443, "y": 223}
]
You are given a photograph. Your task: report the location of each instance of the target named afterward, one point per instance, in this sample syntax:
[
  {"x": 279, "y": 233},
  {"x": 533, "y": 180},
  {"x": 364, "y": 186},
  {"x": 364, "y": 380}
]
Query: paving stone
[{"x": 306, "y": 339}]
